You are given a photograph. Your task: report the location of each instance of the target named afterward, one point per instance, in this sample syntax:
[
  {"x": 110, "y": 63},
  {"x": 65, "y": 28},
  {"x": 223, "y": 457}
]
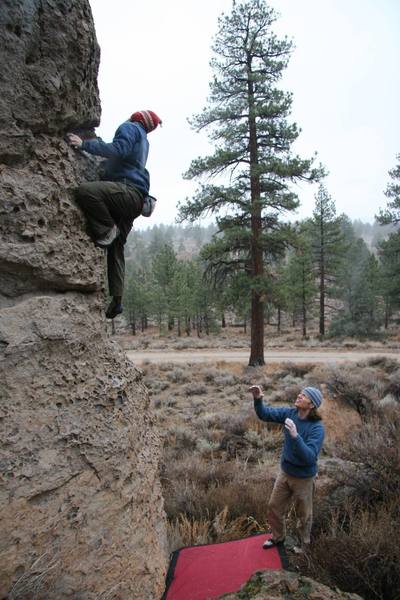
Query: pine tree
[
  {"x": 360, "y": 292},
  {"x": 299, "y": 280},
  {"x": 389, "y": 250},
  {"x": 325, "y": 234},
  {"x": 392, "y": 212},
  {"x": 247, "y": 121}
]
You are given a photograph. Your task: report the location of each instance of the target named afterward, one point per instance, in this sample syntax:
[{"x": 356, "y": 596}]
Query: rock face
[
  {"x": 81, "y": 506},
  {"x": 283, "y": 585}
]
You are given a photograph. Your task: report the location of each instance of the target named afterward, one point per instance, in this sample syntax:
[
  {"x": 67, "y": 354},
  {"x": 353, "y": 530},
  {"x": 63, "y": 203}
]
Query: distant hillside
[{"x": 187, "y": 240}]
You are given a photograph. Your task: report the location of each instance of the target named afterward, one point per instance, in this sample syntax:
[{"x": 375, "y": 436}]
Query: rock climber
[
  {"x": 304, "y": 435},
  {"x": 111, "y": 205}
]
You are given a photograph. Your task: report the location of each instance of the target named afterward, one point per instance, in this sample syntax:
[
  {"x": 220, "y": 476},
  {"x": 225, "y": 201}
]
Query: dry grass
[
  {"x": 37, "y": 582},
  {"x": 185, "y": 531}
]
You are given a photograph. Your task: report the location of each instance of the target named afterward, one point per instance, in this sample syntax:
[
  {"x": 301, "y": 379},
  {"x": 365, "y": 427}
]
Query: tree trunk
[
  {"x": 257, "y": 331},
  {"x": 279, "y": 319},
  {"x": 179, "y": 328},
  {"x": 257, "y": 264},
  {"x": 187, "y": 326},
  {"x": 206, "y": 325},
  {"x": 304, "y": 307},
  {"x": 322, "y": 284},
  {"x": 386, "y": 313},
  {"x": 223, "y": 322}
]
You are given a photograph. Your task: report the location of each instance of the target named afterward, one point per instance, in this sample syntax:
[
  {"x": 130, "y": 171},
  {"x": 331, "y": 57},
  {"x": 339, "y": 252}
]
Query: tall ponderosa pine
[
  {"x": 247, "y": 120},
  {"x": 328, "y": 247}
]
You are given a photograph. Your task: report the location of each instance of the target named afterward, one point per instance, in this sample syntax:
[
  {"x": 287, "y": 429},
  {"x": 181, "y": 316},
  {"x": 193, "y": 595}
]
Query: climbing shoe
[
  {"x": 114, "y": 309},
  {"x": 108, "y": 239}
]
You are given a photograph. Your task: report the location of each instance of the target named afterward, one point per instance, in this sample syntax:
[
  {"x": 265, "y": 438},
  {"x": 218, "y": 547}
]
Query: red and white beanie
[{"x": 147, "y": 118}]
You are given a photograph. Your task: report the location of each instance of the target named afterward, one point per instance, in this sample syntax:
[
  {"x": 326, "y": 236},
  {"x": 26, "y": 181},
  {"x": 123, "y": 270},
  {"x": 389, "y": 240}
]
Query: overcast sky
[{"x": 344, "y": 75}]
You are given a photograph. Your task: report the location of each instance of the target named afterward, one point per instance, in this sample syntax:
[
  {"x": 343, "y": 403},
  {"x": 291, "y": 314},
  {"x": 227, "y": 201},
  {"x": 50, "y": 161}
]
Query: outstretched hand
[
  {"x": 257, "y": 392},
  {"x": 74, "y": 140},
  {"x": 291, "y": 427}
]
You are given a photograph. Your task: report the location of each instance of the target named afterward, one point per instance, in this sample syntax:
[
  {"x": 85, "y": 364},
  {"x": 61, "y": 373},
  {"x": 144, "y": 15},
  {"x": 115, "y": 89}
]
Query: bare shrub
[
  {"x": 359, "y": 552},
  {"x": 179, "y": 375},
  {"x": 298, "y": 370},
  {"x": 209, "y": 374},
  {"x": 360, "y": 388},
  {"x": 254, "y": 438},
  {"x": 225, "y": 380},
  {"x": 387, "y": 364},
  {"x": 195, "y": 389},
  {"x": 376, "y": 447},
  {"x": 237, "y": 424},
  {"x": 156, "y": 385},
  {"x": 393, "y": 387},
  {"x": 206, "y": 447},
  {"x": 180, "y": 437}
]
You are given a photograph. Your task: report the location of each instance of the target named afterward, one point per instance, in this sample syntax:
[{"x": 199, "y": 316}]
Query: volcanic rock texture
[{"x": 81, "y": 506}]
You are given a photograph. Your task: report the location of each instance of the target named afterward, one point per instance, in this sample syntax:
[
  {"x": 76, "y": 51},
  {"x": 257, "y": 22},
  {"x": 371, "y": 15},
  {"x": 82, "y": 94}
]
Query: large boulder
[
  {"x": 284, "y": 585},
  {"x": 81, "y": 506}
]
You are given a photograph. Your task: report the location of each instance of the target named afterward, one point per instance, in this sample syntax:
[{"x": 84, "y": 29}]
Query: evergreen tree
[
  {"x": 392, "y": 212},
  {"x": 326, "y": 237},
  {"x": 299, "y": 280},
  {"x": 360, "y": 292},
  {"x": 389, "y": 254},
  {"x": 389, "y": 250},
  {"x": 138, "y": 297},
  {"x": 164, "y": 265},
  {"x": 247, "y": 120}
]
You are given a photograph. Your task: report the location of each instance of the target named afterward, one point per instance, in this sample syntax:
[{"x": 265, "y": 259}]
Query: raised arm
[
  {"x": 122, "y": 145},
  {"x": 265, "y": 413}
]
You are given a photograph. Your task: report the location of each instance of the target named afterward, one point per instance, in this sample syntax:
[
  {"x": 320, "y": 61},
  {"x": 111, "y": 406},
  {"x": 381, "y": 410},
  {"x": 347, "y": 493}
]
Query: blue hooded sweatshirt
[
  {"x": 127, "y": 155},
  {"x": 300, "y": 454}
]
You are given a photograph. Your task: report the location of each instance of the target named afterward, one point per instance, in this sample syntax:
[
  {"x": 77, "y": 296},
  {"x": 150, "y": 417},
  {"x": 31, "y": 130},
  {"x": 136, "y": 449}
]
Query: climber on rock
[{"x": 111, "y": 205}]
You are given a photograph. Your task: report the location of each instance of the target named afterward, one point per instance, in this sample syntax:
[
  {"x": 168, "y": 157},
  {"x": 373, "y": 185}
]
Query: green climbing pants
[{"x": 105, "y": 203}]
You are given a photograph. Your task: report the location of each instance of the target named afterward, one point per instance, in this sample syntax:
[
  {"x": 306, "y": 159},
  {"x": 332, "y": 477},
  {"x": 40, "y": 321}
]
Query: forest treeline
[{"x": 346, "y": 292}]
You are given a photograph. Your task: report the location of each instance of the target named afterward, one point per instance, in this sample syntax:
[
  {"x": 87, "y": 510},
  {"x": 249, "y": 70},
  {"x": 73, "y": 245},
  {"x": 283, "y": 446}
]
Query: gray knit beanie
[{"x": 314, "y": 395}]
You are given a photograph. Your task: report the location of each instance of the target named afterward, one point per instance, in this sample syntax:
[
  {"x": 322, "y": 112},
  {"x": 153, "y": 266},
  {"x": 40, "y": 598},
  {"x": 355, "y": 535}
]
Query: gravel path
[{"x": 242, "y": 356}]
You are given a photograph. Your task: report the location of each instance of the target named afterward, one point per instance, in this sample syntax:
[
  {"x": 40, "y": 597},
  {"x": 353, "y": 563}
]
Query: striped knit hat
[
  {"x": 147, "y": 118},
  {"x": 314, "y": 395}
]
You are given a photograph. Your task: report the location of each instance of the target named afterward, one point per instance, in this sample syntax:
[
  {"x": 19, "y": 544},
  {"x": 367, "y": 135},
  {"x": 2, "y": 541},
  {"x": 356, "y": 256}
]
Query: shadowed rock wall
[{"x": 81, "y": 508}]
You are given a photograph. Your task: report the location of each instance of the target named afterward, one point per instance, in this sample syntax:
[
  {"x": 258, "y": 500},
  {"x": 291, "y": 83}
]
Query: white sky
[{"x": 344, "y": 75}]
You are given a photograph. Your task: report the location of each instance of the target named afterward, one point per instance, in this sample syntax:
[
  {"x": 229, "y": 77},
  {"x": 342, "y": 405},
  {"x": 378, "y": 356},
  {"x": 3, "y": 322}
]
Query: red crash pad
[{"x": 206, "y": 572}]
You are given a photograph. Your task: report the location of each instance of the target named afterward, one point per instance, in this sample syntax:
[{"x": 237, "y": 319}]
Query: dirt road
[{"x": 242, "y": 356}]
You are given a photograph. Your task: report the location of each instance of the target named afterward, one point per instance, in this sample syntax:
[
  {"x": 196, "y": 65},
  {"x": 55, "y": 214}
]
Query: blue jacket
[
  {"x": 127, "y": 155},
  {"x": 300, "y": 454}
]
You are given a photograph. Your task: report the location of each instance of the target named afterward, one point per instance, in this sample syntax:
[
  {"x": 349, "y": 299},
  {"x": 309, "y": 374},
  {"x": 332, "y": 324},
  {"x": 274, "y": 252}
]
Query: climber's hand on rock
[
  {"x": 74, "y": 140},
  {"x": 257, "y": 392}
]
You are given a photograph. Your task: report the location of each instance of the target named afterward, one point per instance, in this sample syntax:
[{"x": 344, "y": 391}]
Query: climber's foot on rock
[
  {"x": 114, "y": 308},
  {"x": 108, "y": 239}
]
